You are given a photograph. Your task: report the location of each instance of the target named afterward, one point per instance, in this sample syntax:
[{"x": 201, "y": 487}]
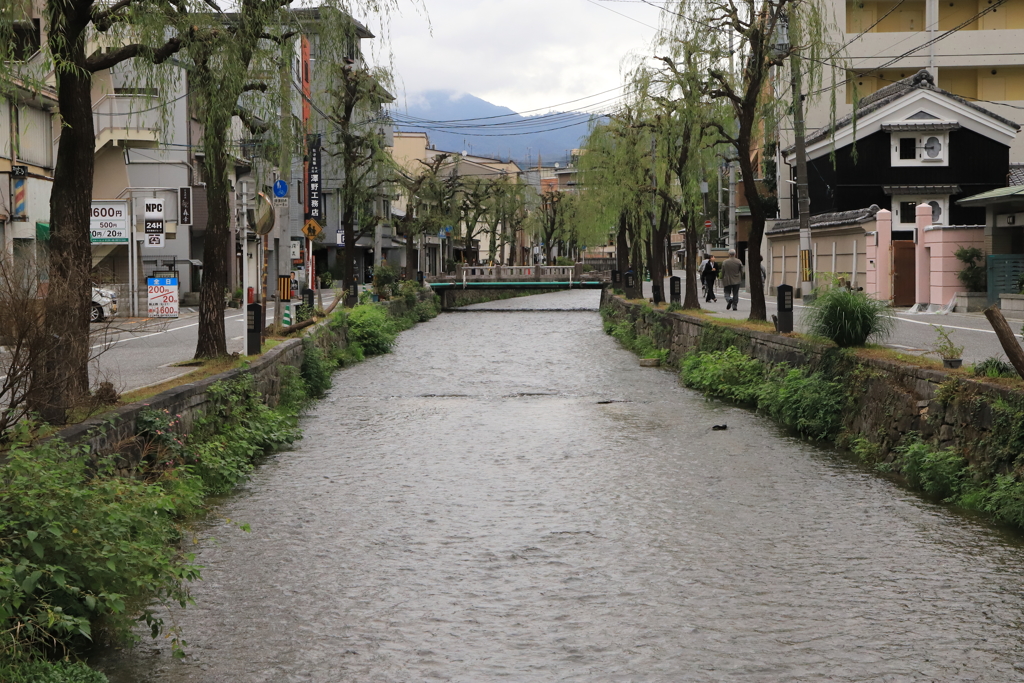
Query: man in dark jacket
[{"x": 732, "y": 277}]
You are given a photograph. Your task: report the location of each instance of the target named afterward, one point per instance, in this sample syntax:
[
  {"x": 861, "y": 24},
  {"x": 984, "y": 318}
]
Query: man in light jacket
[{"x": 732, "y": 277}]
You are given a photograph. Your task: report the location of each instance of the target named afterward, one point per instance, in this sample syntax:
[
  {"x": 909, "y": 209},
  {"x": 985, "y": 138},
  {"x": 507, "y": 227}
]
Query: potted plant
[{"x": 951, "y": 354}]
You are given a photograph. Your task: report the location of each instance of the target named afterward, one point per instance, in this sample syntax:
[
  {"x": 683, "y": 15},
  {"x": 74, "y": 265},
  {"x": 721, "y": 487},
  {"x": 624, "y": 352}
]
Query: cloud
[{"x": 523, "y": 54}]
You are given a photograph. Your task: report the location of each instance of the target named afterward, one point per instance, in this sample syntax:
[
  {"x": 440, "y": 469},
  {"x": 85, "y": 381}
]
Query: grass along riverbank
[{"x": 92, "y": 546}]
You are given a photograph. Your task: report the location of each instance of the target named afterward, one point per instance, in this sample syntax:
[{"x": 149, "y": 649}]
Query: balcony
[{"x": 126, "y": 120}]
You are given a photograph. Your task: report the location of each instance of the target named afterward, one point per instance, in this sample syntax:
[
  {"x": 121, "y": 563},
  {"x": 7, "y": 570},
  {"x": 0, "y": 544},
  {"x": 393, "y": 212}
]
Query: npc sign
[{"x": 163, "y": 297}]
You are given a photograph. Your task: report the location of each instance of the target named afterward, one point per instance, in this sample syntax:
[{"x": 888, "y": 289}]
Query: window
[
  {"x": 26, "y": 39},
  {"x": 919, "y": 148},
  {"x": 906, "y": 209},
  {"x": 908, "y": 148},
  {"x": 908, "y": 212}
]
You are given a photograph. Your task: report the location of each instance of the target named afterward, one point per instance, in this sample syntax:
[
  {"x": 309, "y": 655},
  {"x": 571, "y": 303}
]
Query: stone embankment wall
[
  {"x": 105, "y": 433},
  {"x": 889, "y": 399}
]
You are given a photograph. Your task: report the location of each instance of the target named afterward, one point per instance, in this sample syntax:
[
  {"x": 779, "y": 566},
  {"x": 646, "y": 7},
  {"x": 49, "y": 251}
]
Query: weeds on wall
[
  {"x": 625, "y": 331},
  {"x": 808, "y": 403}
]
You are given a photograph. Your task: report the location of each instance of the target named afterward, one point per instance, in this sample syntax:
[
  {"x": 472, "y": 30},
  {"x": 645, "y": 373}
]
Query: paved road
[
  {"x": 133, "y": 353},
  {"x": 914, "y": 332}
]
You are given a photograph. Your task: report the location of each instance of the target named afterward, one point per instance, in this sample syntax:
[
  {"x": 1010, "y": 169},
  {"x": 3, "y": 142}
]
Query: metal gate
[
  {"x": 904, "y": 285},
  {"x": 1003, "y": 271}
]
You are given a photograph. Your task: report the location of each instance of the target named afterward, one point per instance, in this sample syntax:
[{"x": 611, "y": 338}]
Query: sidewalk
[{"x": 914, "y": 333}]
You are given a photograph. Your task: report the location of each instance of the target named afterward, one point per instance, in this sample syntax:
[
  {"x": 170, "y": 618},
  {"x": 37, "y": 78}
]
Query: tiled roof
[
  {"x": 827, "y": 220},
  {"x": 1016, "y": 174},
  {"x": 922, "y": 80}
]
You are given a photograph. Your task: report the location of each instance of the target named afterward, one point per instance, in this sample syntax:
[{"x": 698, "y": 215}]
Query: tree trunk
[
  {"x": 410, "y": 256},
  {"x": 691, "y": 299},
  {"x": 757, "y": 220},
  {"x": 621, "y": 246},
  {"x": 65, "y": 375},
  {"x": 1006, "y": 337},
  {"x": 217, "y": 251}
]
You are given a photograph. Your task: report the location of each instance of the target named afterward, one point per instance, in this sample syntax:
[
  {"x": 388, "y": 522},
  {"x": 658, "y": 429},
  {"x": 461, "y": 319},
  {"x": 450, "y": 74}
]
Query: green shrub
[
  {"x": 993, "y": 367},
  {"x": 409, "y": 291},
  {"x": 326, "y": 279},
  {"x": 79, "y": 544},
  {"x": 973, "y": 275},
  {"x": 293, "y": 396},
  {"x": 1003, "y": 498},
  {"x": 849, "y": 318},
  {"x": 384, "y": 278},
  {"x": 939, "y": 473},
  {"x": 365, "y": 297},
  {"x": 425, "y": 310},
  {"x": 371, "y": 328},
  {"x": 809, "y": 404},
  {"x": 729, "y": 374},
  {"x": 303, "y": 312},
  {"x": 316, "y": 369},
  {"x": 564, "y": 261},
  {"x": 49, "y": 672}
]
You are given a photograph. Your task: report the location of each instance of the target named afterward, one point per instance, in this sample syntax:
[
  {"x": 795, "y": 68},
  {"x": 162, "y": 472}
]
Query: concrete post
[{"x": 922, "y": 269}]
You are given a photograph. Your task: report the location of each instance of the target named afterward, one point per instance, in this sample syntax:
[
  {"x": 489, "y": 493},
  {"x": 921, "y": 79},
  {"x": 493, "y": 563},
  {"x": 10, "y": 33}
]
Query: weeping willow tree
[
  {"x": 430, "y": 199},
  {"x": 617, "y": 182},
  {"x": 241, "y": 85},
  {"x": 686, "y": 121},
  {"x": 73, "y": 40},
  {"x": 745, "y": 48}
]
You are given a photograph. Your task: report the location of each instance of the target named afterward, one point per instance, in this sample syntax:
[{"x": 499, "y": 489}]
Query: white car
[{"x": 104, "y": 304}]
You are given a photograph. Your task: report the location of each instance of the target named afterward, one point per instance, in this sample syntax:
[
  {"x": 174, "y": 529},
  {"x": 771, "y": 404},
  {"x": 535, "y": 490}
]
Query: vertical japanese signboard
[
  {"x": 154, "y": 222},
  {"x": 314, "y": 195},
  {"x": 163, "y": 297},
  {"x": 184, "y": 206}
]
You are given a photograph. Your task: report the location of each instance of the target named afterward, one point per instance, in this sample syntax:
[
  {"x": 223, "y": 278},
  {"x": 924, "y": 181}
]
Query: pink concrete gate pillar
[
  {"x": 883, "y": 255},
  {"x": 922, "y": 260}
]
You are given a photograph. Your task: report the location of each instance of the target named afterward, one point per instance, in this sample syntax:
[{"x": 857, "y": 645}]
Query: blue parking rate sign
[{"x": 280, "y": 188}]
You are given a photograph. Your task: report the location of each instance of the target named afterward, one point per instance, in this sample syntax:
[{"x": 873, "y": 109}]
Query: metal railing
[{"x": 125, "y": 112}]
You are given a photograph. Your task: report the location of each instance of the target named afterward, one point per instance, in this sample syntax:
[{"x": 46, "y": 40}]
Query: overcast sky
[{"x": 522, "y": 54}]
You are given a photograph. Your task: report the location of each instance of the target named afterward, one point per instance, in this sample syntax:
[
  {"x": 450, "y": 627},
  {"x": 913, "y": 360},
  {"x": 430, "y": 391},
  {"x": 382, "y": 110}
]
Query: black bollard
[
  {"x": 784, "y": 303},
  {"x": 675, "y": 290},
  {"x": 656, "y": 294},
  {"x": 616, "y": 278},
  {"x": 253, "y": 329}
]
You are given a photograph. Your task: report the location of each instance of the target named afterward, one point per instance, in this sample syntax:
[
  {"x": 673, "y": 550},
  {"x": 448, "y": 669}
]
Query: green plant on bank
[
  {"x": 994, "y": 367},
  {"x": 384, "y": 278},
  {"x": 640, "y": 344},
  {"x": 809, "y": 403},
  {"x": 409, "y": 290},
  {"x": 303, "y": 312},
  {"x": 372, "y": 329},
  {"x": 973, "y": 275},
  {"x": 49, "y": 672},
  {"x": 849, "y": 318},
  {"x": 944, "y": 346},
  {"x": 365, "y": 297}
]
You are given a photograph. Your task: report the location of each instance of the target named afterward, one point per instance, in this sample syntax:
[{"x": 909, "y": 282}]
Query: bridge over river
[{"x": 509, "y": 496}]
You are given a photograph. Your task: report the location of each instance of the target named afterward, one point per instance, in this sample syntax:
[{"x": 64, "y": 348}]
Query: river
[{"x": 509, "y": 496}]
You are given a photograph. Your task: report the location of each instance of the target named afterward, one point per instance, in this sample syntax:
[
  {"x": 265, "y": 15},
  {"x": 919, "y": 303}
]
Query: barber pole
[{"x": 19, "y": 198}]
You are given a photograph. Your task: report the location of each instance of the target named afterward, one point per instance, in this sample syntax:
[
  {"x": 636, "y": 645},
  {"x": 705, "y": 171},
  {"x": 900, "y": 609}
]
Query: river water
[{"x": 509, "y": 496}]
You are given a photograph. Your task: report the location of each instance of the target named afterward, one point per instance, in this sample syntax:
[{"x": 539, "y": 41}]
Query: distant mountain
[{"x": 501, "y": 133}]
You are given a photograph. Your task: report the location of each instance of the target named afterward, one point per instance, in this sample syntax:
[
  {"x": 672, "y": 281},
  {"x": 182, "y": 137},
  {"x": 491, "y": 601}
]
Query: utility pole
[
  {"x": 803, "y": 198},
  {"x": 732, "y": 205}
]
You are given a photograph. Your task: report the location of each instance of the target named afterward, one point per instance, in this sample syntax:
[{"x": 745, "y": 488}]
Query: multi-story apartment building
[{"x": 975, "y": 57}]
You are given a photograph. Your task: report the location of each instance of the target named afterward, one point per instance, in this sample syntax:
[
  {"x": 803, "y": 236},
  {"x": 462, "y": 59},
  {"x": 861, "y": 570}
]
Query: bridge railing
[{"x": 572, "y": 273}]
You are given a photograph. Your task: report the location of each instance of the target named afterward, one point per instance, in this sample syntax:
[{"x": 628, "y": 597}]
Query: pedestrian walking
[
  {"x": 732, "y": 277},
  {"x": 708, "y": 276}
]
